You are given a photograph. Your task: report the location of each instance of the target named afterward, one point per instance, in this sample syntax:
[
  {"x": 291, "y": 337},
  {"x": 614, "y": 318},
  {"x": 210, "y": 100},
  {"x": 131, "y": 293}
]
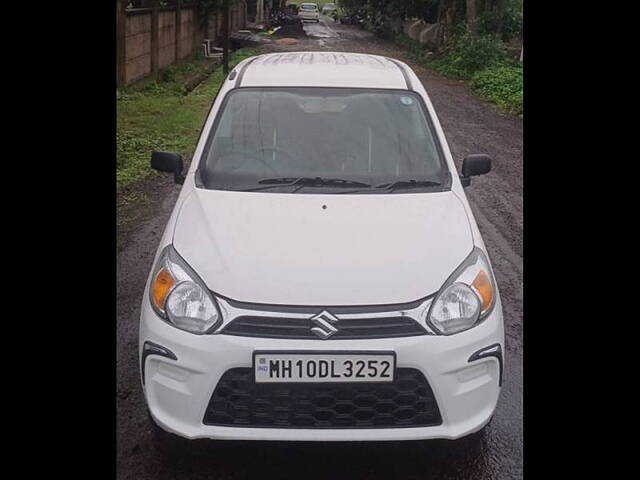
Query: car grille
[
  {"x": 406, "y": 402},
  {"x": 300, "y": 328}
]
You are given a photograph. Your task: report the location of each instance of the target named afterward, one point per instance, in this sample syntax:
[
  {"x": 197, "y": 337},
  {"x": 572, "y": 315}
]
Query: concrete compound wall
[
  {"x": 237, "y": 21},
  {"x": 137, "y": 36},
  {"x": 137, "y": 47}
]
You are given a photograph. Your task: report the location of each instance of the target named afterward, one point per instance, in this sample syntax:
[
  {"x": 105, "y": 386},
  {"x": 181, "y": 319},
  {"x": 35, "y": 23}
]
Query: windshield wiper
[
  {"x": 405, "y": 184},
  {"x": 305, "y": 182}
]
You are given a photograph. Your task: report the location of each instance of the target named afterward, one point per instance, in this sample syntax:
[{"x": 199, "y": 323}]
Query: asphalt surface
[{"x": 471, "y": 126}]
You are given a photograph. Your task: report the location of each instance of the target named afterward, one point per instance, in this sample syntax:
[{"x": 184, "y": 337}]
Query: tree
[
  {"x": 445, "y": 19},
  {"x": 481, "y": 17},
  {"x": 472, "y": 17}
]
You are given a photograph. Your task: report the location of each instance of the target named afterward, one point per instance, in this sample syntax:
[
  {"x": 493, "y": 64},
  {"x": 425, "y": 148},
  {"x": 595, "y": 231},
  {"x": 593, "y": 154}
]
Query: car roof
[{"x": 322, "y": 69}]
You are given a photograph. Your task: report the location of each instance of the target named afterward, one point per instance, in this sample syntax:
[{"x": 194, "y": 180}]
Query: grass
[{"x": 160, "y": 116}]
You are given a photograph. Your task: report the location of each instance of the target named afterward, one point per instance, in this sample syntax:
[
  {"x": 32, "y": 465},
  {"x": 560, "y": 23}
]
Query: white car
[
  {"x": 321, "y": 276},
  {"x": 309, "y": 11}
]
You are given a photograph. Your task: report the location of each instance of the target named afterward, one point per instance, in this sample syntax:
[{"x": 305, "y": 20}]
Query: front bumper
[{"x": 178, "y": 390}]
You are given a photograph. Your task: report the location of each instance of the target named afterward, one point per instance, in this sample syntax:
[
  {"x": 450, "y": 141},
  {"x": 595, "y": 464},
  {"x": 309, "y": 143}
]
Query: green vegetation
[
  {"x": 493, "y": 74},
  {"x": 160, "y": 116},
  {"x": 507, "y": 22},
  {"x": 475, "y": 40},
  {"x": 483, "y": 59},
  {"x": 469, "y": 54},
  {"x": 501, "y": 85}
]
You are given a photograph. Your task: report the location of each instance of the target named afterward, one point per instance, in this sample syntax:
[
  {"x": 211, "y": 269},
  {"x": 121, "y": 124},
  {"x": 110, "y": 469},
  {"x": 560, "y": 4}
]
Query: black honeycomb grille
[{"x": 406, "y": 402}]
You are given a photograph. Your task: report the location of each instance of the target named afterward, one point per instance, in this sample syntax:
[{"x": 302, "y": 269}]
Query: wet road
[
  {"x": 322, "y": 29},
  {"x": 471, "y": 126}
]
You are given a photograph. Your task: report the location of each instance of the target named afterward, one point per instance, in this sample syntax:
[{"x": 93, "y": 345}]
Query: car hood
[{"x": 322, "y": 250}]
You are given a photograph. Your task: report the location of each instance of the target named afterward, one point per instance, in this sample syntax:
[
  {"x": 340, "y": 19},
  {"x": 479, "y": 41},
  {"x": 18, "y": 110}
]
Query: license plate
[{"x": 327, "y": 367}]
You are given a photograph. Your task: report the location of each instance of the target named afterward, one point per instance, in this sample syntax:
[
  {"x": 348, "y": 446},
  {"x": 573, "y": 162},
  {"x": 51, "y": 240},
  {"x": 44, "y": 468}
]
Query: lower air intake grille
[{"x": 239, "y": 402}]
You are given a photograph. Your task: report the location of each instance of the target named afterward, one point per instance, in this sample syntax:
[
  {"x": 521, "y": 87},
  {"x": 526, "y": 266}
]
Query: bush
[
  {"x": 501, "y": 85},
  {"x": 470, "y": 54},
  {"x": 509, "y": 24}
]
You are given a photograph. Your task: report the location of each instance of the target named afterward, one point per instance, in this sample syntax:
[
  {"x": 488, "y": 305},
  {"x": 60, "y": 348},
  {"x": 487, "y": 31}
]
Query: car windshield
[
  {"x": 333, "y": 140},
  {"x": 309, "y": 7}
]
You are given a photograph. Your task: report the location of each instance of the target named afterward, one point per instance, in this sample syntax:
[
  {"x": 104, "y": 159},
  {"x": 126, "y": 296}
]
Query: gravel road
[{"x": 471, "y": 126}]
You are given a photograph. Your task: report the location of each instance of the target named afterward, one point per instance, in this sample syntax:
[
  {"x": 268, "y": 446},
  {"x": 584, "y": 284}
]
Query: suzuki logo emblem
[{"x": 323, "y": 321}]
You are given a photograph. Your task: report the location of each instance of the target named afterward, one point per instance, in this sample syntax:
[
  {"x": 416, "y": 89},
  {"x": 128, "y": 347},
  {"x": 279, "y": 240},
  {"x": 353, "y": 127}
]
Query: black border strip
[
  {"x": 486, "y": 353},
  {"x": 150, "y": 348}
]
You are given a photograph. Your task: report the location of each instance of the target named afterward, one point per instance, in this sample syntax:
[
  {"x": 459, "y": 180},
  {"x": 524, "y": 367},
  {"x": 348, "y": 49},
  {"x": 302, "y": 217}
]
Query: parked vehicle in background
[
  {"x": 309, "y": 12},
  {"x": 283, "y": 17},
  {"x": 353, "y": 19},
  {"x": 328, "y": 8}
]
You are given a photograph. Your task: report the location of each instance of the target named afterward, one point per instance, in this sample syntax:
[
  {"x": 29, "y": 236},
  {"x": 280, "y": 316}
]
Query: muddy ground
[{"x": 471, "y": 126}]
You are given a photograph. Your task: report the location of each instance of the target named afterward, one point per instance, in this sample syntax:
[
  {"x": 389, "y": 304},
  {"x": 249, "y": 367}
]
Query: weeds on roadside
[
  {"x": 501, "y": 85},
  {"x": 468, "y": 54}
]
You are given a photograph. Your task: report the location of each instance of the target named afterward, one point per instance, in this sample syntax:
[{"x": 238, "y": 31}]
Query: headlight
[
  {"x": 179, "y": 296},
  {"x": 466, "y": 298}
]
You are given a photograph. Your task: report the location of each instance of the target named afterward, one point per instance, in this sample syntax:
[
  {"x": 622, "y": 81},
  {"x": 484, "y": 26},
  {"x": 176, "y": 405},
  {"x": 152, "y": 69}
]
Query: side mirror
[
  {"x": 168, "y": 162},
  {"x": 473, "y": 165}
]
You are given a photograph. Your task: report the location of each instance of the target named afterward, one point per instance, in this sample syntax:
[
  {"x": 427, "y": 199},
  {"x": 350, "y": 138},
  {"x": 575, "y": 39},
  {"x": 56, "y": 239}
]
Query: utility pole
[{"x": 225, "y": 36}]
